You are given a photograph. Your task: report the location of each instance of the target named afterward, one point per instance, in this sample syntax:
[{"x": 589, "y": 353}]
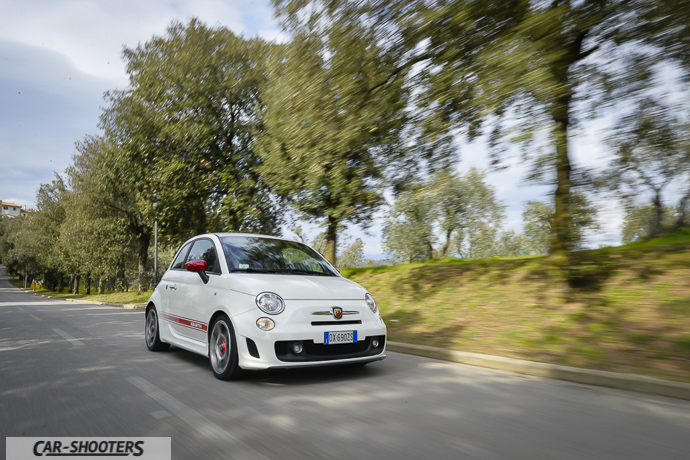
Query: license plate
[{"x": 331, "y": 338}]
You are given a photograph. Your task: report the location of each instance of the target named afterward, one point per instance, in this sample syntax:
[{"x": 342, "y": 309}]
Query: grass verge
[
  {"x": 128, "y": 298},
  {"x": 629, "y": 310}
]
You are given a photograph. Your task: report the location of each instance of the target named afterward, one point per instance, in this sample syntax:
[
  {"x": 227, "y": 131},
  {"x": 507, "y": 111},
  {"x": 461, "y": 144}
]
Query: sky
[{"x": 58, "y": 58}]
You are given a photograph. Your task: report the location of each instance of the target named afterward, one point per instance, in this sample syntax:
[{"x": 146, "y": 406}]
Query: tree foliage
[
  {"x": 462, "y": 209},
  {"x": 181, "y": 135},
  {"x": 640, "y": 222},
  {"x": 353, "y": 255},
  {"x": 177, "y": 147},
  {"x": 651, "y": 152},
  {"x": 520, "y": 68},
  {"x": 328, "y": 139},
  {"x": 408, "y": 233},
  {"x": 215, "y": 132},
  {"x": 538, "y": 220},
  {"x": 101, "y": 226},
  {"x": 511, "y": 244}
]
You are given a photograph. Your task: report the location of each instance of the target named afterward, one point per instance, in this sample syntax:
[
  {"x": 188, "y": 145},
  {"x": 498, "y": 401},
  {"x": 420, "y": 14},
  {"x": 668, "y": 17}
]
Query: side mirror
[{"x": 198, "y": 266}]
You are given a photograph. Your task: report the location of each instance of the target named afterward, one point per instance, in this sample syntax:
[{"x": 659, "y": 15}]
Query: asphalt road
[{"x": 69, "y": 369}]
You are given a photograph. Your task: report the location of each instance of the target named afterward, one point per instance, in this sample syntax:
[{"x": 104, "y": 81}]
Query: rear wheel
[
  {"x": 223, "y": 351},
  {"x": 153, "y": 338}
]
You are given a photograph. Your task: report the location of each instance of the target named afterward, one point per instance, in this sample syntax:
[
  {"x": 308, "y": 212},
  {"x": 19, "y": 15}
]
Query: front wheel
[
  {"x": 222, "y": 350},
  {"x": 153, "y": 338}
]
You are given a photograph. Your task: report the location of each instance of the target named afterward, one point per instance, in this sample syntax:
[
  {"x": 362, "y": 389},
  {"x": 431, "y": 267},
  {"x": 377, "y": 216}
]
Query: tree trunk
[
  {"x": 682, "y": 220},
  {"x": 60, "y": 283},
  {"x": 75, "y": 289},
  {"x": 446, "y": 245},
  {"x": 143, "y": 242},
  {"x": 560, "y": 242},
  {"x": 101, "y": 286},
  {"x": 87, "y": 284},
  {"x": 119, "y": 280},
  {"x": 655, "y": 225},
  {"x": 331, "y": 239},
  {"x": 48, "y": 281}
]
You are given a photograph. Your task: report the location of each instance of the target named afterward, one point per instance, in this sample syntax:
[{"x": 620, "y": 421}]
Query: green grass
[
  {"x": 131, "y": 297},
  {"x": 629, "y": 310}
]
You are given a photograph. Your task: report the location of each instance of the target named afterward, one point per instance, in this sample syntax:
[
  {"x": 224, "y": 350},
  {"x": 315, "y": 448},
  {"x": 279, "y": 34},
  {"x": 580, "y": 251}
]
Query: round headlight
[
  {"x": 371, "y": 302},
  {"x": 270, "y": 303}
]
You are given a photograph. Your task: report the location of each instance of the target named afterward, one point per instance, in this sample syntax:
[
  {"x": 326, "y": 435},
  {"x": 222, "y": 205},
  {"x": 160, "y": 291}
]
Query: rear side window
[
  {"x": 178, "y": 263},
  {"x": 205, "y": 250}
]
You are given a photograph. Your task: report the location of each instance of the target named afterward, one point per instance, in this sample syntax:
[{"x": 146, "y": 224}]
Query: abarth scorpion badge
[{"x": 337, "y": 312}]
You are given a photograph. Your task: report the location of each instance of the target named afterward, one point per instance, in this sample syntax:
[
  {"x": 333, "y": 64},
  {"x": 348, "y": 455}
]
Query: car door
[
  {"x": 168, "y": 287},
  {"x": 191, "y": 299}
]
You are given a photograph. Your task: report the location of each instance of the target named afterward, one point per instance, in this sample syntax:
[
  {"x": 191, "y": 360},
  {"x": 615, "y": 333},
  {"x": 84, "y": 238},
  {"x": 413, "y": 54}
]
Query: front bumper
[{"x": 259, "y": 349}]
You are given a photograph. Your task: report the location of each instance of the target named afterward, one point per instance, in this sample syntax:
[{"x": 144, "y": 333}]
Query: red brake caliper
[{"x": 222, "y": 350}]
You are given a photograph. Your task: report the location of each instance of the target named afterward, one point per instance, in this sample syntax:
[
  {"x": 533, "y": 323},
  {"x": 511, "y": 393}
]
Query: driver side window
[
  {"x": 178, "y": 263},
  {"x": 206, "y": 251}
]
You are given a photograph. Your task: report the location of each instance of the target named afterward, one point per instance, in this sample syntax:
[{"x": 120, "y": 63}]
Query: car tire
[
  {"x": 151, "y": 332},
  {"x": 222, "y": 350}
]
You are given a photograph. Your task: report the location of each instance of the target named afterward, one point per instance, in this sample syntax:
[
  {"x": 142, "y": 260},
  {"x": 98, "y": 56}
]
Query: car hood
[{"x": 297, "y": 287}]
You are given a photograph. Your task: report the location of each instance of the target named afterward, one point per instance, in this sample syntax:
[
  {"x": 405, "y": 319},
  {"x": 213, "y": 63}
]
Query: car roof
[{"x": 255, "y": 235}]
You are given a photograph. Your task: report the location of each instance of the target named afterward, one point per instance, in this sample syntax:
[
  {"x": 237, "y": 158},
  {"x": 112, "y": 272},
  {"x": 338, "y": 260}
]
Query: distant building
[{"x": 14, "y": 210}]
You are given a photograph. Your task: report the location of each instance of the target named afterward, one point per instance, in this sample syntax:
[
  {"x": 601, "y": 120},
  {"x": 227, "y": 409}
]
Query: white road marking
[
  {"x": 201, "y": 424},
  {"x": 30, "y": 314},
  {"x": 69, "y": 338}
]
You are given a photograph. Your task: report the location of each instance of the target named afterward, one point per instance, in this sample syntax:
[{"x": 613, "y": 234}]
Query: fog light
[
  {"x": 375, "y": 343},
  {"x": 265, "y": 324},
  {"x": 297, "y": 348}
]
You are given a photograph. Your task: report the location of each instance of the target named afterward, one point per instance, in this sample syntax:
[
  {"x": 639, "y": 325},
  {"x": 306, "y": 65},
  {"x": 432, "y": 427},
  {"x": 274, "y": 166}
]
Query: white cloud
[
  {"x": 91, "y": 34},
  {"x": 57, "y": 58}
]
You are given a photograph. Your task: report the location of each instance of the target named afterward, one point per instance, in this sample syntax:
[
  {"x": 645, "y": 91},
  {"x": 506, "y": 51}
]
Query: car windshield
[{"x": 268, "y": 255}]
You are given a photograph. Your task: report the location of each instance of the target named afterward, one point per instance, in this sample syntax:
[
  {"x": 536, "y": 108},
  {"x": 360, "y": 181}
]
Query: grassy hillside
[{"x": 630, "y": 311}]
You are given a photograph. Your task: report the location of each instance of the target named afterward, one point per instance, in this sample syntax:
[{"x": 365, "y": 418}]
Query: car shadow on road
[
  {"x": 296, "y": 376},
  {"x": 313, "y": 375}
]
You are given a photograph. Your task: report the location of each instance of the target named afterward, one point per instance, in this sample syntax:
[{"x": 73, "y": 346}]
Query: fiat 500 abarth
[{"x": 252, "y": 302}]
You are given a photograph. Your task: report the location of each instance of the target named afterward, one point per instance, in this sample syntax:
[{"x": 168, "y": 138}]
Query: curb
[
  {"x": 629, "y": 382},
  {"x": 128, "y": 306}
]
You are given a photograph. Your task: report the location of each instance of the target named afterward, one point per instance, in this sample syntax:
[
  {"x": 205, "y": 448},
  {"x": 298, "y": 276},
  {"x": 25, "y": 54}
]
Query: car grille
[
  {"x": 335, "y": 323},
  {"x": 320, "y": 352}
]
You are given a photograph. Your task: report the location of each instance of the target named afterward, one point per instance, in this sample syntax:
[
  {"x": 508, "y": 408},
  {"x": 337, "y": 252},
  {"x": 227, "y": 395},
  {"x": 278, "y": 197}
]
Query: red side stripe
[{"x": 186, "y": 322}]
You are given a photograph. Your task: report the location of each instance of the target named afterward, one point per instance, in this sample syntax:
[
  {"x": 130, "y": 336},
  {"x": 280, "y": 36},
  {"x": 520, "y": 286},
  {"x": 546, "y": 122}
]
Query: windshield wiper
[{"x": 307, "y": 272}]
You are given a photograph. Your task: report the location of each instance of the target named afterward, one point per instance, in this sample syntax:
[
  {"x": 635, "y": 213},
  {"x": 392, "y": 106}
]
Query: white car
[{"x": 252, "y": 302}]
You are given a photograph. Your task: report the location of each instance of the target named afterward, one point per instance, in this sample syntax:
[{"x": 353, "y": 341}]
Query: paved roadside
[{"x": 636, "y": 383}]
